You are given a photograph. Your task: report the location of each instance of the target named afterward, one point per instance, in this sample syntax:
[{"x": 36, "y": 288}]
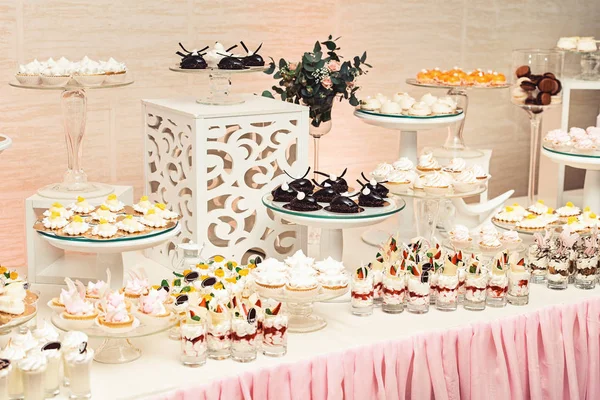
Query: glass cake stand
[
  {"x": 474, "y": 248},
  {"x": 301, "y": 317},
  {"x": 219, "y": 81},
  {"x": 30, "y": 313},
  {"x": 407, "y": 126},
  {"x": 5, "y": 143},
  {"x": 455, "y": 144},
  {"x": 590, "y": 64},
  {"x": 428, "y": 206},
  {"x": 333, "y": 224},
  {"x": 117, "y": 348},
  {"x": 588, "y": 161},
  {"x": 110, "y": 252},
  {"x": 74, "y": 109}
]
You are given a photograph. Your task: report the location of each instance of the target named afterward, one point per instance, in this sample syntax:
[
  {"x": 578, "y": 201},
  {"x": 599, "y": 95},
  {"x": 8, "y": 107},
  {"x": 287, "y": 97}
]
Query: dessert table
[{"x": 356, "y": 347}]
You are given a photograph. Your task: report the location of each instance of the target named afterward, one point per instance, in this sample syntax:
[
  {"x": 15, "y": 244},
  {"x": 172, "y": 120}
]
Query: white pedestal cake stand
[
  {"x": 332, "y": 224},
  {"x": 110, "y": 252},
  {"x": 5, "y": 143},
  {"x": 219, "y": 84},
  {"x": 74, "y": 107},
  {"x": 408, "y": 127},
  {"x": 455, "y": 145},
  {"x": 589, "y": 162}
]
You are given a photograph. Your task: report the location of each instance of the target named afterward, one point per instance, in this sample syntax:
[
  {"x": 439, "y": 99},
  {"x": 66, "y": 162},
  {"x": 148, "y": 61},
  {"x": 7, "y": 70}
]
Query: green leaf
[
  {"x": 282, "y": 64},
  {"x": 271, "y": 68},
  {"x": 177, "y": 282},
  {"x": 330, "y": 45},
  {"x": 356, "y": 62},
  {"x": 185, "y": 289},
  {"x": 178, "y": 275},
  {"x": 317, "y": 48},
  {"x": 196, "y": 318},
  {"x": 164, "y": 283},
  {"x": 268, "y": 311},
  {"x": 353, "y": 100},
  {"x": 268, "y": 94},
  {"x": 363, "y": 58},
  {"x": 329, "y": 37},
  {"x": 277, "y": 75}
]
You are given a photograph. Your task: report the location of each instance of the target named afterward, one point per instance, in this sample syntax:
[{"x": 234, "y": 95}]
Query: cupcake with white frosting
[
  {"x": 302, "y": 285},
  {"x": 456, "y": 166},
  {"x": 568, "y": 210},
  {"x": 29, "y": 74},
  {"x": 437, "y": 183},
  {"x": 270, "y": 283},
  {"x": 460, "y": 237},
  {"x": 404, "y": 100},
  {"x": 300, "y": 260},
  {"x": 510, "y": 239},
  {"x": 114, "y": 70},
  {"x": 381, "y": 171},
  {"x": 370, "y": 104},
  {"x": 77, "y": 226},
  {"x": 403, "y": 164},
  {"x": 420, "y": 109},
  {"x": 81, "y": 206},
  {"x": 532, "y": 223},
  {"x": 465, "y": 182},
  {"x": 429, "y": 99},
  {"x": 508, "y": 215},
  {"x": 399, "y": 181},
  {"x": 538, "y": 208},
  {"x": 391, "y": 108},
  {"x": 428, "y": 164},
  {"x": 489, "y": 242}
]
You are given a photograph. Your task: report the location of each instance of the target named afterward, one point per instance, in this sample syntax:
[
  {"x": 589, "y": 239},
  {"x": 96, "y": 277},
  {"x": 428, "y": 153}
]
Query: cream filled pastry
[
  {"x": 568, "y": 210},
  {"x": 103, "y": 212},
  {"x": 12, "y": 301},
  {"x": 437, "y": 183},
  {"x": 391, "y": 107},
  {"x": 532, "y": 222},
  {"x": 81, "y": 206},
  {"x": 113, "y": 203},
  {"x": 403, "y": 164},
  {"x": 427, "y": 163},
  {"x": 370, "y": 104},
  {"x": 538, "y": 208},
  {"x": 442, "y": 108},
  {"x": 59, "y": 208},
  {"x": 164, "y": 212},
  {"x": 153, "y": 219},
  {"x": 130, "y": 224},
  {"x": 104, "y": 229},
  {"x": 429, "y": 99},
  {"x": 381, "y": 172},
  {"x": 456, "y": 166},
  {"x": 55, "y": 221},
  {"x": 77, "y": 226},
  {"x": 465, "y": 181},
  {"x": 143, "y": 205},
  {"x": 404, "y": 100},
  {"x": 489, "y": 242},
  {"x": 420, "y": 109}
]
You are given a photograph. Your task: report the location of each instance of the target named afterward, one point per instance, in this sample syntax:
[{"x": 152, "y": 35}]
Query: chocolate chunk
[
  {"x": 535, "y": 78},
  {"x": 528, "y": 86},
  {"x": 558, "y": 88},
  {"x": 547, "y": 85},
  {"x": 523, "y": 71},
  {"x": 550, "y": 75},
  {"x": 544, "y": 99},
  {"x": 530, "y": 101}
]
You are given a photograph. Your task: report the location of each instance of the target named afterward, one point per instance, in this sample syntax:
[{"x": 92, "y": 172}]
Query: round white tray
[
  {"x": 421, "y": 194},
  {"x": 5, "y": 143},
  {"x": 576, "y": 160},
  {"x": 413, "y": 81},
  {"x": 71, "y": 85},
  {"x": 408, "y": 122}
]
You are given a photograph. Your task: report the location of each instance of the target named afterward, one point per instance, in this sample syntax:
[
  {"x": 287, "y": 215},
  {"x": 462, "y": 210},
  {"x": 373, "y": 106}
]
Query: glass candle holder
[
  {"x": 497, "y": 289},
  {"x": 244, "y": 343},
  {"x": 418, "y": 295},
  {"x": 79, "y": 365},
  {"x": 585, "y": 275},
  {"x": 274, "y": 342},
  {"x": 475, "y": 291},
  {"x": 193, "y": 343},
  {"x": 219, "y": 336},
  {"x": 33, "y": 369},
  {"x": 518, "y": 287},
  {"x": 362, "y": 296},
  {"x": 537, "y": 261},
  {"x": 5, "y": 370},
  {"x": 377, "y": 287},
  {"x": 394, "y": 288},
  {"x": 447, "y": 292},
  {"x": 52, "y": 351},
  {"x": 558, "y": 273}
]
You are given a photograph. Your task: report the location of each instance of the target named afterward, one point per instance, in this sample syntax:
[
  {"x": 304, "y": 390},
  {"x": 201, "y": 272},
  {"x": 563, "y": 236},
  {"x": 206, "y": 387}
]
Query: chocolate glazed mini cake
[
  {"x": 230, "y": 62},
  {"x": 303, "y": 202},
  {"x": 338, "y": 183},
  {"x": 252, "y": 59},
  {"x": 343, "y": 205},
  {"x": 326, "y": 194},
  {"x": 284, "y": 193},
  {"x": 301, "y": 184},
  {"x": 375, "y": 186},
  {"x": 369, "y": 198},
  {"x": 192, "y": 59}
]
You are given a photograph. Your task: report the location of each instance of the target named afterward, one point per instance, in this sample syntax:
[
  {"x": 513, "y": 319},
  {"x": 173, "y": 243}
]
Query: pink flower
[
  {"x": 326, "y": 82},
  {"x": 333, "y": 65},
  {"x": 292, "y": 66}
]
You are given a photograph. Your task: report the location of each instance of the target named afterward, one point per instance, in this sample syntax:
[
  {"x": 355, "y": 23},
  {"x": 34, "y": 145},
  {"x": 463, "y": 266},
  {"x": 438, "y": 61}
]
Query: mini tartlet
[
  {"x": 143, "y": 205},
  {"x": 509, "y": 215},
  {"x": 568, "y": 210},
  {"x": 436, "y": 183},
  {"x": 103, "y": 212},
  {"x": 538, "y": 208},
  {"x": 55, "y": 221},
  {"x": 81, "y": 206},
  {"x": 137, "y": 285},
  {"x": 151, "y": 308},
  {"x": 76, "y": 227},
  {"x": 532, "y": 223},
  {"x": 104, "y": 229},
  {"x": 301, "y": 285},
  {"x": 152, "y": 219},
  {"x": 113, "y": 204},
  {"x": 510, "y": 240},
  {"x": 79, "y": 313},
  {"x": 59, "y": 208},
  {"x": 428, "y": 164},
  {"x": 130, "y": 224}
]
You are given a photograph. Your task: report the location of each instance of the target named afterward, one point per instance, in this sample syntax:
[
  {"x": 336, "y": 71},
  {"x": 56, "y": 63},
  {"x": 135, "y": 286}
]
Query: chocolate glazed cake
[
  {"x": 252, "y": 59},
  {"x": 338, "y": 183},
  {"x": 303, "y": 202},
  {"x": 369, "y": 198},
  {"x": 375, "y": 186},
  {"x": 301, "y": 184},
  {"x": 192, "y": 59},
  {"x": 326, "y": 194},
  {"x": 284, "y": 193},
  {"x": 343, "y": 205}
]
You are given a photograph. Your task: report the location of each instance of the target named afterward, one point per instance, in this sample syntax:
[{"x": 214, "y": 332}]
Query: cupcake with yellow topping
[
  {"x": 532, "y": 223},
  {"x": 77, "y": 226},
  {"x": 55, "y": 221},
  {"x": 508, "y": 216},
  {"x": 104, "y": 229},
  {"x": 568, "y": 210},
  {"x": 575, "y": 225},
  {"x": 153, "y": 220},
  {"x": 143, "y": 205},
  {"x": 103, "y": 212},
  {"x": 538, "y": 208},
  {"x": 589, "y": 218},
  {"x": 519, "y": 209},
  {"x": 59, "y": 208},
  {"x": 82, "y": 206},
  {"x": 164, "y": 212},
  {"x": 549, "y": 216},
  {"x": 113, "y": 203},
  {"x": 131, "y": 224}
]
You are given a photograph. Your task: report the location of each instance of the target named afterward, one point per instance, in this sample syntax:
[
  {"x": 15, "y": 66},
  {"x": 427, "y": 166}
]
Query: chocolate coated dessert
[
  {"x": 343, "y": 205},
  {"x": 375, "y": 186},
  {"x": 192, "y": 59},
  {"x": 369, "y": 198},
  {"x": 338, "y": 183},
  {"x": 284, "y": 193},
  {"x": 303, "y": 202},
  {"x": 325, "y": 194},
  {"x": 301, "y": 184},
  {"x": 252, "y": 59}
]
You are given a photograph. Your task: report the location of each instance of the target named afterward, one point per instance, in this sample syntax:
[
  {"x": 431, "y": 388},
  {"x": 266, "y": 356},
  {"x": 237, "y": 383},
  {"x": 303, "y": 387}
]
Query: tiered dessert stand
[
  {"x": 455, "y": 144},
  {"x": 333, "y": 224},
  {"x": 117, "y": 348},
  {"x": 428, "y": 206},
  {"x": 407, "y": 126},
  {"x": 590, "y": 162},
  {"x": 109, "y": 251},
  {"x": 219, "y": 83},
  {"x": 74, "y": 106}
]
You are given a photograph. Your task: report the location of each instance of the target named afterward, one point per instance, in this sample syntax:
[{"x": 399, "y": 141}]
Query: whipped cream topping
[
  {"x": 532, "y": 223},
  {"x": 333, "y": 278},
  {"x": 143, "y": 205},
  {"x": 302, "y": 281},
  {"x": 113, "y": 204},
  {"x": 82, "y": 206},
  {"x": 33, "y": 362},
  {"x": 538, "y": 208},
  {"x": 77, "y": 226},
  {"x": 460, "y": 233},
  {"x": 271, "y": 278},
  {"x": 214, "y": 55},
  {"x": 152, "y": 303},
  {"x": 299, "y": 259},
  {"x": 437, "y": 179},
  {"x": 95, "y": 288},
  {"x": 490, "y": 240},
  {"x": 381, "y": 171},
  {"x": 442, "y": 108},
  {"x": 54, "y": 221},
  {"x": 427, "y": 162},
  {"x": 420, "y": 109},
  {"x": 12, "y": 353},
  {"x": 137, "y": 285},
  {"x": 568, "y": 210},
  {"x": 104, "y": 229},
  {"x": 510, "y": 236},
  {"x": 72, "y": 340},
  {"x": 456, "y": 165},
  {"x": 76, "y": 357},
  {"x": 478, "y": 171},
  {"x": 585, "y": 144},
  {"x": 466, "y": 176},
  {"x": 403, "y": 164},
  {"x": 329, "y": 265},
  {"x": 60, "y": 209},
  {"x": 104, "y": 213},
  {"x": 153, "y": 219},
  {"x": 117, "y": 314},
  {"x": 508, "y": 214},
  {"x": 271, "y": 264},
  {"x": 24, "y": 341},
  {"x": 114, "y": 300},
  {"x": 46, "y": 333},
  {"x": 429, "y": 99},
  {"x": 400, "y": 177},
  {"x": 391, "y": 107},
  {"x": 131, "y": 224},
  {"x": 405, "y": 102},
  {"x": 488, "y": 229},
  {"x": 370, "y": 104},
  {"x": 75, "y": 304}
]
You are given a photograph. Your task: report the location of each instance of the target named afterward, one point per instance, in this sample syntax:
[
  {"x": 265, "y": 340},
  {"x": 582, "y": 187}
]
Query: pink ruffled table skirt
[{"x": 552, "y": 353}]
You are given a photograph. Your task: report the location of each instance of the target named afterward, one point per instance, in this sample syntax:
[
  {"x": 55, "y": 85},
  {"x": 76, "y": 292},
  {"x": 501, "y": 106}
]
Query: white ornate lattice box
[{"x": 212, "y": 164}]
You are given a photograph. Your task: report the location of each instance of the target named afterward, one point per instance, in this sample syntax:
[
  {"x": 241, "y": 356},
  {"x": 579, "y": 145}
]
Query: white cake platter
[{"x": 5, "y": 143}]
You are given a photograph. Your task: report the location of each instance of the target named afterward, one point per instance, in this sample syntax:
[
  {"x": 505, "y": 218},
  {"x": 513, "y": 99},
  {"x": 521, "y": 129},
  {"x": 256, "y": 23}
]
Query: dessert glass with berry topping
[
  {"x": 219, "y": 331},
  {"x": 538, "y": 255},
  {"x": 362, "y": 292},
  {"x": 244, "y": 334},
  {"x": 194, "y": 349},
  {"x": 586, "y": 264},
  {"x": 560, "y": 260},
  {"x": 518, "y": 283},
  {"x": 418, "y": 289},
  {"x": 447, "y": 286},
  {"x": 497, "y": 286},
  {"x": 475, "y": 288},
  {"x": 275, "y": 327},
  {"x": 394, "y": 288}
]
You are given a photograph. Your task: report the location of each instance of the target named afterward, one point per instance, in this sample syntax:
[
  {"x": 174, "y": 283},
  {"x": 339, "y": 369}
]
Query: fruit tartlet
[
  {"x": 136, "y": 286},
  {"x": 152, "y": 219},
  {"x": 143, "y": 205},
  {"x": 77, "y": 226},
  {"x": 130, "y": 224},
  {"x": 103, "y": 212},
  {"x": 59, "y": 208},
  {"x": 104, "y": 229},
  {"x": 113, "y": 204},
  {"x": 81, "y": 206},
  {"x": 55, "y": 221},
  {"x": 568, "y": 210}
]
